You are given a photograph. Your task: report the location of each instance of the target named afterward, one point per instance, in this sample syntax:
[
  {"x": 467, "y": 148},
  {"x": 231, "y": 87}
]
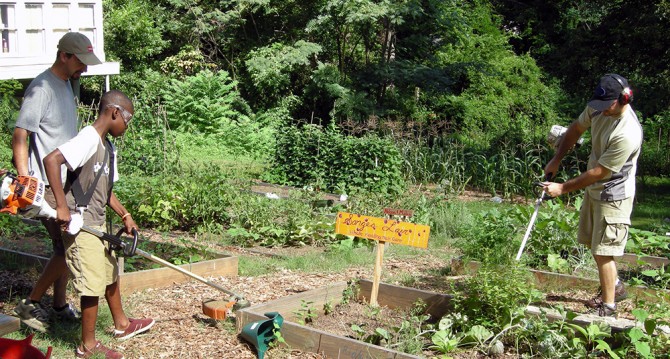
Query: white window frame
[
  {"x": 51, "y": 32},
  {"x": 18, "y": 64}
]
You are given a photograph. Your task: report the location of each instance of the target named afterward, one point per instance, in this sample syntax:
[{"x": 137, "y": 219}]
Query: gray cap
[{"x": 78, "y": 44}]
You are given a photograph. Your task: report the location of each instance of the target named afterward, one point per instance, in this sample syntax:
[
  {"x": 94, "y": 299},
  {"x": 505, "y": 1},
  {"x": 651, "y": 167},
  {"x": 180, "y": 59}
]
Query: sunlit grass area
[{"x": 652, "y": 205}]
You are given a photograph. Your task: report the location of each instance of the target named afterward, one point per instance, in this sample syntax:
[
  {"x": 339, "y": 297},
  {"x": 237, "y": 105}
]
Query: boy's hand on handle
[{"x": 129, "y": 224}]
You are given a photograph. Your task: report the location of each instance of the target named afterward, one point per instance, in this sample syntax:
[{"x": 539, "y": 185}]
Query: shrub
[
  {"x": 495, "y": 296},
  {"x": 206, "y": 103},
  {"x": 328, "y": 160},
  {"x": 148, "y": 147},
  {"x": 9, "y": 107},
  {"x": 194, "y": 200}
]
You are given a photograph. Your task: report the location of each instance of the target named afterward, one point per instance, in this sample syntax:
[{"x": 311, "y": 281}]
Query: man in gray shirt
[{"x": 48, "y": 118}]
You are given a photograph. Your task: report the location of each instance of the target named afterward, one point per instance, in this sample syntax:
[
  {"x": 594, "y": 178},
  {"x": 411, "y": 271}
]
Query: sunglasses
[{"x": 127, "y": 116}]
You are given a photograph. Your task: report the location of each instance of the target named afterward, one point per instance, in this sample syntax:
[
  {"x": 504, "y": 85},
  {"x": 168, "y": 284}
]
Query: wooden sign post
[{"x": 381, "y": 230}]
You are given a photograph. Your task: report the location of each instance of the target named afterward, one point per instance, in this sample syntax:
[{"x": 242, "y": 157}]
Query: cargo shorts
[
  {"x": 92, "y": 264},
  {"x": 603, "y": 225}
]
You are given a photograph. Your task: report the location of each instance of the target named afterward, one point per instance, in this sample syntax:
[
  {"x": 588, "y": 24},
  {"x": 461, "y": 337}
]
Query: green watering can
[{"x": 262, "y": 332}]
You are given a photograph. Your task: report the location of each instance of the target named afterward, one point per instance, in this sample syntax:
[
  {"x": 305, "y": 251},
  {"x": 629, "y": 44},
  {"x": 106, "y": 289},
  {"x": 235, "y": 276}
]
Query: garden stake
[{"x": 377, "y": 275}]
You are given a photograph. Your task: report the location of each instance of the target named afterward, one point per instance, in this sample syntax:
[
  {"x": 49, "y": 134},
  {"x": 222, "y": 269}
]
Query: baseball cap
[
  {"x": 78, "y": 44},
  {"x": 608, "y": 90}
]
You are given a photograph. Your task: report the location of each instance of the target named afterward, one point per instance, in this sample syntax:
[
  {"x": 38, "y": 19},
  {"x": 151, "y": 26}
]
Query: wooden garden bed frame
[
  {"x": 634, "y": 258},
  {"x": 550, "y": 279},
  {"x": 8, "y": 324},
  {"x": 334, "y": 346},
  {"x": 224, "y": 265}
]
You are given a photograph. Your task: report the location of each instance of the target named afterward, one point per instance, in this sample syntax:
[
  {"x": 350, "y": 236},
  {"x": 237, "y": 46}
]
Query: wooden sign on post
[{"x": 382, "y": 230}]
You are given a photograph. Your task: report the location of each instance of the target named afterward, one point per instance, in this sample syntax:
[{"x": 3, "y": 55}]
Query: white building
[{"x": 31, "y": 30}]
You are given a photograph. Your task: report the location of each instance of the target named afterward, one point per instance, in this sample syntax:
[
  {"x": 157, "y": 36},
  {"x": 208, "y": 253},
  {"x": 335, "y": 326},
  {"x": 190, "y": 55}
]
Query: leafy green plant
[
  {"x": 444, "y": 340},
  {"x": 277, "y": 336},
  {"x": 324, "y": 158},
  {"x": 327, "y": 308},
  {"x": 495, "y": 296},
  {"x": 206, "y": 103},
  {"x": 643, "y": 242},
  {"x": 655, "y": 278},
  {"x": 407, "y": 337},
  {"x": 376, "y": 337},
  {"x": 306, "y": 313},
  {"x": 553, "y": 233},
  {"x": 489, "y": 240},
  {"x": 594, "y": 336},
  {"x": 350, "y": 293}
]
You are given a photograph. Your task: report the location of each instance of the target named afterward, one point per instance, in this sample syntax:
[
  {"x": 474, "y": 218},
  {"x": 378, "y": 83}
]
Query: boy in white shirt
[{"x": 91, "y": 160}]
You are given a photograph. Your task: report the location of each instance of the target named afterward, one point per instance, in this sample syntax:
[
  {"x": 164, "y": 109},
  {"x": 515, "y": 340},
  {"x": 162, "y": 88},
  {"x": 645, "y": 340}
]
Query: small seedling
[{"x": 306, "y": 314}]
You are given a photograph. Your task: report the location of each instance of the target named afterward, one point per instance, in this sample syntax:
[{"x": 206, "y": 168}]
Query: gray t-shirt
[{"x": 49, "y": 112}]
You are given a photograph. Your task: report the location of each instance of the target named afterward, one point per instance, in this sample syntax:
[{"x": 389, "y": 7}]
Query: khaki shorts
[
  {"x": 603, "y": 225},
  {"x": 91, "y": 263}
]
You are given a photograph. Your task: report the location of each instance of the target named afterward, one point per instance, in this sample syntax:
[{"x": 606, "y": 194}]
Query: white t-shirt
[{"x": 85, "y": 154}]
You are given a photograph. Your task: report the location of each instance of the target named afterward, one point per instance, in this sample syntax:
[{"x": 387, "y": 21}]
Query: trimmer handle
[
  {"x": 538, "y": 184},
  {"x": 128, "y": 249}
]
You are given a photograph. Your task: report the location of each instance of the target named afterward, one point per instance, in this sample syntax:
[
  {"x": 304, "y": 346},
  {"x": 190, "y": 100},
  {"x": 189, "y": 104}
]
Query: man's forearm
[
  {"x": 586, "y": 179},
  {"x": 20, "y": 151},
  {"x": 570, "y": 138}
]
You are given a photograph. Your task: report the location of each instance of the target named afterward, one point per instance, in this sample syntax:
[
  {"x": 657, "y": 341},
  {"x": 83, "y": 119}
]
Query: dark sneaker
[
  {"x": 605, "y": 310},
  {"x": 68, "y": 313},
  {"x": 620, "y": 294},
  {"x": 33, "y": 315},
  {"x": 84, "y": 352},
  {"x": 135, "y": 327}
]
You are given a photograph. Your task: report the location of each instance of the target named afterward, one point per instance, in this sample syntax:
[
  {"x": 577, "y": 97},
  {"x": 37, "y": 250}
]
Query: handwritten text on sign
[{"x": 382, "y": 229}]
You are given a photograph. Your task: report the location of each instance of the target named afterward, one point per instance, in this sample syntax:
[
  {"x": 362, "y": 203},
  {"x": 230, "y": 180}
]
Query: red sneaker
[
  {"x": 135, "y": 327},
  {"x": 84, "y": 352}
]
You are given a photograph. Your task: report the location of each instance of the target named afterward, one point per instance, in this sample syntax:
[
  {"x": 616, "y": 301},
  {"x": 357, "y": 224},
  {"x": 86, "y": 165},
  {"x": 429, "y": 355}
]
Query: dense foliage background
[
  {"x": 464, "y": 91},
  {"x": 395, "y": 103}
]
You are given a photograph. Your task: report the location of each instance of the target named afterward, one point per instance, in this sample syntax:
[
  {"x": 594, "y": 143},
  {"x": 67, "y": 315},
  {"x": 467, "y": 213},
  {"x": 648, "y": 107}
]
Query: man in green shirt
[{"x": 616, "y": 139}]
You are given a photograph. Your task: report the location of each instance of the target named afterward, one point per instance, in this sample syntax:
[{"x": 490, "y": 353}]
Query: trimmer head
[{"x": 220, "y": 309}]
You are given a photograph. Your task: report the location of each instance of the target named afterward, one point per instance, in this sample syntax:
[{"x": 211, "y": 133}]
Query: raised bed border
[
  {"x": 544, "y": 279},
  {"x": 151, "y": 278},
  {"x": 330, "y": 345},
  {"x": 651, "y": 260},
  {"x": 334, "y": 346},
  {"x": 8, "y": 324}
]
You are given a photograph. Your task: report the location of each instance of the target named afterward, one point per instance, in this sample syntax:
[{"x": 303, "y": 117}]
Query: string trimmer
[
  {"x": 24, "y": 195},
  {"x": 542, "y": 197}
]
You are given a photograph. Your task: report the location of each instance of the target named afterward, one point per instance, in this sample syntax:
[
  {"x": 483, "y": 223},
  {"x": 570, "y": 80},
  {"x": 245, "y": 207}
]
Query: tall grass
[{"x": 505, "y": 169}]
